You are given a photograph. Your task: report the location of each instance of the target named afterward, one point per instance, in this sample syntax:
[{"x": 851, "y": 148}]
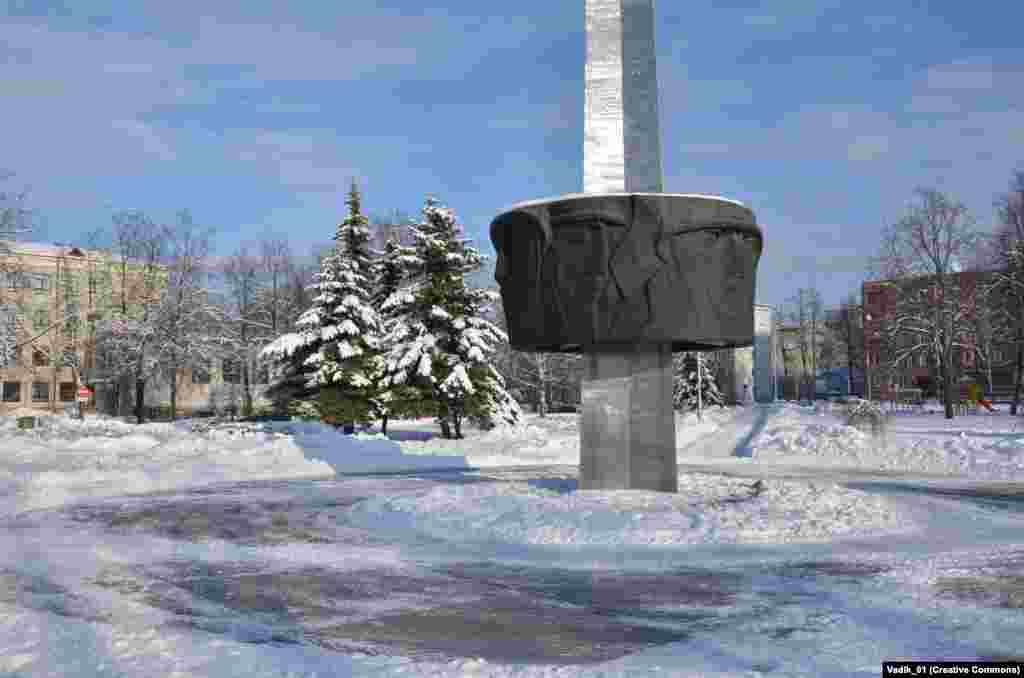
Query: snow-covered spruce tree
[
  {"x": 684, "y": 390},
  {"x": 339, "y": 326},
  {"x": 348, "y": 362},
  {"x": 437, "y": 340},
  {"x": 394, "y": 268}
]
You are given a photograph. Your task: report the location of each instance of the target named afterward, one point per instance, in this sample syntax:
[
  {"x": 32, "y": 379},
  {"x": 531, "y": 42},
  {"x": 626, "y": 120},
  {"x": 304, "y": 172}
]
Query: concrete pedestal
[{"x": 627, "y": 425}]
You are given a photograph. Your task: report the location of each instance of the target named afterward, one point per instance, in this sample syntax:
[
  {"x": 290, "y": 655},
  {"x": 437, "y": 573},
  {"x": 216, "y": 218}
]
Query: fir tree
[
  {"x": 394, "y": 268},
  {"x": 439, "y": 345},
  {"x": 335, "y": 338},
  {"x": 348, "y": 362},
  {"x": 684, "y": 396}
]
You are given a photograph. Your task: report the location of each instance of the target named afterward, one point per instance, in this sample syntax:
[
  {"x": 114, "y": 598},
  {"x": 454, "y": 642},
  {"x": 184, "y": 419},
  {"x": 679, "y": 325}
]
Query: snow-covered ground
[{"x": 753, "y": 477}]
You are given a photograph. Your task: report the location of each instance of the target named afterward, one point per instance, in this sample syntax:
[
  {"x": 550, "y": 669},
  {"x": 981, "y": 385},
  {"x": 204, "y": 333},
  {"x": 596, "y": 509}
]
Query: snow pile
[
  {"x": 971, "y": 455},
  {"x": 979, "y": 447},
  {"x": 63, "y": 459},
  {"x": 828, "y": 443},
  {"x": 708, "y": 509}
]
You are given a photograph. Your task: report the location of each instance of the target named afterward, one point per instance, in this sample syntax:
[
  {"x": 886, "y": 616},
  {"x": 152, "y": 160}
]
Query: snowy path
[{"x": 505, "y": 569}]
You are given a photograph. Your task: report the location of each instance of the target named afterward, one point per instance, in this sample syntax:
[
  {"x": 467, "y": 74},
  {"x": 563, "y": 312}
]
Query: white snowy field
[
  {"x": 786, "y": 498},
  {"x": 64, "y": 459}
]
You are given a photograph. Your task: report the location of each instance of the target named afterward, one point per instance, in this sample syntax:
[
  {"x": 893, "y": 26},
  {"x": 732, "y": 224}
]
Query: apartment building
[
  {"x": 49, "y": 302},
  {"x": 51, "y": 297},
  {"x": 880, "y": 298}
]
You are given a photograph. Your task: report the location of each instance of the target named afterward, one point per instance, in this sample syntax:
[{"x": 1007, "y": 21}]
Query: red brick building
[{"x": 879, "y": 300}]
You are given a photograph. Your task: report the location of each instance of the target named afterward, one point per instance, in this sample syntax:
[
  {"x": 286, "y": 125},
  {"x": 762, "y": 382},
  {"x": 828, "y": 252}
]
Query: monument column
[
  {"x": 624, "y": 273},
  {"x": 627, "y": 424}
]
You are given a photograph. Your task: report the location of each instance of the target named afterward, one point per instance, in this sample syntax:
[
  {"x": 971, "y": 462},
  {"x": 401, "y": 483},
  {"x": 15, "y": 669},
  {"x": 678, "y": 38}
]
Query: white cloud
[
  {"x": 151, "y": 141},
  {"x": 867, "y": 147},
  {"x": 970, "y": 75},
  {"x": 933, "y": 103},
  {"x": 758, "y": 20},
  {"x": 841, "y": 119},
  {"x": 706, "y": 149},
  {"x": 128, "y": 68}
]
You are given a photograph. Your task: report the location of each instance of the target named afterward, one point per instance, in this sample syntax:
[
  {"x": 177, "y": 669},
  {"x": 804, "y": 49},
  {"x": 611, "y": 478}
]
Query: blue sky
[{"x": 821, "y": 116}]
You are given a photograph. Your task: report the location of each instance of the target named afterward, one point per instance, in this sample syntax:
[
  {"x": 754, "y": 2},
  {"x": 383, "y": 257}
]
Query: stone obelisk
[
  {"x": 627, "y": 425},
  {"x": 624, "y": 273}
]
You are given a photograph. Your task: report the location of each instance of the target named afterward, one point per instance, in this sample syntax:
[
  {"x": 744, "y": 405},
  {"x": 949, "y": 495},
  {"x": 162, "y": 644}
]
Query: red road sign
[{"x": 84, "y": 393}]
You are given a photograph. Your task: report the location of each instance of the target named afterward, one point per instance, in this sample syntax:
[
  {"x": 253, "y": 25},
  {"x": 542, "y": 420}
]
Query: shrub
[
  {"x": 304, "y": 410},
  {"x": 865, "y": 415}
]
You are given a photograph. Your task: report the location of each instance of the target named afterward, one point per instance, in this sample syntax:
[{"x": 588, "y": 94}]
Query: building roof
[{"x": 46, "y": 249}]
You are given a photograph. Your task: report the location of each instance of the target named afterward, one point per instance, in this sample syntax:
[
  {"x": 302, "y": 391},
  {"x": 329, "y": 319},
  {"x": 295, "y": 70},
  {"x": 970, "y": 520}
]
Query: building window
[
  {"x": 40, "y": 319},
  {"x": 67, "y": 391},
  {"x": 40, "y": 391},
  {"x": 12, "y": 391},
  {"x": 39, "y": 358},
  {"x": 232, "y": 371},
  {"x": 26, "y": 281}
]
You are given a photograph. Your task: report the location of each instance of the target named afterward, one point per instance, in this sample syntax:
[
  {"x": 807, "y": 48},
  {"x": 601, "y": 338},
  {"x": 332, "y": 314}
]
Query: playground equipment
[{"x": 970, "y": 396}]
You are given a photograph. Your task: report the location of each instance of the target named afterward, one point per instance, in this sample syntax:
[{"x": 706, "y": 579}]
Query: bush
[
  {"x": 865, "y": 415},
  {"x": 304, "y": 410},
  {"x": 158, "y": 413}
]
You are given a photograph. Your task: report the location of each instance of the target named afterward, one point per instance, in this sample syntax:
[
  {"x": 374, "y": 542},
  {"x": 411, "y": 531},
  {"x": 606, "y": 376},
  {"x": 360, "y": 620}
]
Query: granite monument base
[{"x": 627, "y": 425}]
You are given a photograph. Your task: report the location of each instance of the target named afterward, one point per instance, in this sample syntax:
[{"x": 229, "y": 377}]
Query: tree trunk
[
  {"x": 849, "y": 375},
  {"x": 384, "y": 425},
  {"x": 457, "y": 420},
  {"x": 446, "y": 429},
  {"x": 947, "y": 385},
  {"x": 174, "y": 394},
  {"x": 542, "y": 363},
  {"x": 1018, "y": 377},
  {"x": 246, "y": 391},
  {"x": 140, "y": 400}
]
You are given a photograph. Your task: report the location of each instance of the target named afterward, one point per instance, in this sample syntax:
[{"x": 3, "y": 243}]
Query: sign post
[{"x": 83, "y": 398}]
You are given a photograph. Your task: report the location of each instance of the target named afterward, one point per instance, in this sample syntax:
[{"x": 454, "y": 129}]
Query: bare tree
[
  {"x": 847, "y": 332},
  {"x": 930, "y": 243},
  {"x": 1004, "y": 291},
  {"x": 127, "y": 343},
  {"x": 15, "y": 223},
  {"x": 242, "y": 274},
  {"x": 544, "y": 379},
  {"x": 15, "y": 216},
  {"x": 806, "y": 313},
  {"x": 190, "y": 329},
  {"x": 277, "y": 263}
]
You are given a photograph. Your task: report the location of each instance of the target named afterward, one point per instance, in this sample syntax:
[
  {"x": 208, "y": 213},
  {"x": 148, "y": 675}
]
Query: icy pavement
[{"x": 239, "y": 550}]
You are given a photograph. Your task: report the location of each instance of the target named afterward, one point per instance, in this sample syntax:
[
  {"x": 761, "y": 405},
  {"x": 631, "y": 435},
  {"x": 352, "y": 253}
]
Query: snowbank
[
  {"x": 708, "y": 509},
  {"x": 65, "y": 458}
]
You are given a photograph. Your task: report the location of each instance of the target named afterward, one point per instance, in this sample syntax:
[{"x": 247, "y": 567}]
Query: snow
[
  {"x": 568, "y": 196},
  {"x": 787, "y": 455}
]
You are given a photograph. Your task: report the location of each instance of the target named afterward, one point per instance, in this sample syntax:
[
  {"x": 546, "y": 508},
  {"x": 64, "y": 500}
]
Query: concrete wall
[
  {"x": 764, "y": 354},
  {"x": 751, "y": 366}
]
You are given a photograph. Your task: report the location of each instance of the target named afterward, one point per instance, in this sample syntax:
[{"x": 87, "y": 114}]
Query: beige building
[
  {"x": 48, "y": 308},
  {"x": 51, "y": 298}
]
